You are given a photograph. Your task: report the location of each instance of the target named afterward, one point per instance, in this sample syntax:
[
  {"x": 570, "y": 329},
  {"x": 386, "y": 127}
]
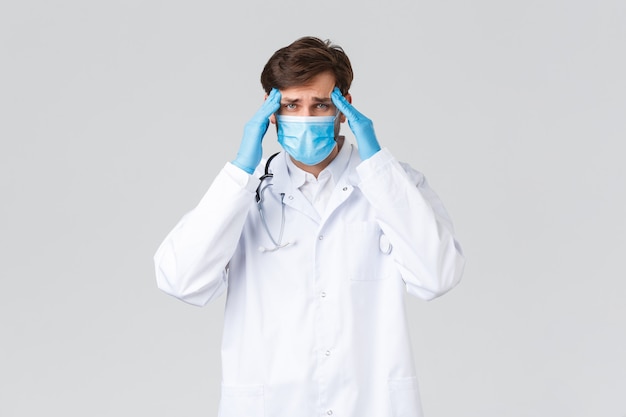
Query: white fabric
[
  {"x": 317, "y": 328},
  {"x": 318, "y": 190}
]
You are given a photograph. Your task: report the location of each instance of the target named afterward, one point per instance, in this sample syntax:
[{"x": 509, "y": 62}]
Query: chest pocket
[{"x": 367, "y": 251}]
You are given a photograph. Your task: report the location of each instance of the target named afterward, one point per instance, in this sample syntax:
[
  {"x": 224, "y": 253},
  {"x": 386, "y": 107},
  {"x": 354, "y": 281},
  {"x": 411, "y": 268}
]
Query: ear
[
  {"x": 272, "y": 117},
  {"x": 349, "y": 100}
]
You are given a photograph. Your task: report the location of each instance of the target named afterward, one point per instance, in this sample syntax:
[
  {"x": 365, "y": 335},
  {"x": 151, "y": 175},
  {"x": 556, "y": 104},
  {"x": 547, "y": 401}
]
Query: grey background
[{"x": 116, "y": 115}]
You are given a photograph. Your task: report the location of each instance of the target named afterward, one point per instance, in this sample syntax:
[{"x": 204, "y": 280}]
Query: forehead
[{"x": 319, "y": 86}]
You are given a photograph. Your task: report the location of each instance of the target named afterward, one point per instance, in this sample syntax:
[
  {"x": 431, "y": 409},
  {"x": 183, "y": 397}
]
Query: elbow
[
  {"x": 429, "y": 284},
  {"x": 190, "y": 288},
  {"x": 451, "y": 269},
  {"x": 191, "y": 294}
]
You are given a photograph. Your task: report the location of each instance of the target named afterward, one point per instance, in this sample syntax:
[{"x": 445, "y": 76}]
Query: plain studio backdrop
[{"x": 116, "y": 115}]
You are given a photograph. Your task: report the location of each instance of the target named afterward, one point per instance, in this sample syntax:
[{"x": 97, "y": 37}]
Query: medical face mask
[{"x": 308, "y": 139}]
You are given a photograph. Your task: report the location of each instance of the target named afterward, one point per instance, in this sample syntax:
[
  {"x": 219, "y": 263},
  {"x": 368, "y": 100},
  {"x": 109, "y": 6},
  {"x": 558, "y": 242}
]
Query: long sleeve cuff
[
  {"x": 372, "y": 165},
  {"x": 241, "y": 177}
]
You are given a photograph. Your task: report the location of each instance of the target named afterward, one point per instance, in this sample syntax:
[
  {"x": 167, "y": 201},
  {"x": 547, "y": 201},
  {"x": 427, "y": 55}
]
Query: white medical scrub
[{"x": 318, "y": 327}]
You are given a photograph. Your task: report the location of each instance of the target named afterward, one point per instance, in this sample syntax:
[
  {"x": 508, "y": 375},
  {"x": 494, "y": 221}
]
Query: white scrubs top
[{"x": 317, "y": 328}]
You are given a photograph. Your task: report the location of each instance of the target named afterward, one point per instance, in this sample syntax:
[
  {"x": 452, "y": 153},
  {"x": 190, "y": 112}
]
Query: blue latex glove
[
  {"x": 250, "y": 151},
  {"x": 361, "y": 126}
]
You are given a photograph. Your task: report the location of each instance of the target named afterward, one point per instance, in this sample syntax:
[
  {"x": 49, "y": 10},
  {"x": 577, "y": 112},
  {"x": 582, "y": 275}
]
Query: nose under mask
[{"x": 308, "y": 139}]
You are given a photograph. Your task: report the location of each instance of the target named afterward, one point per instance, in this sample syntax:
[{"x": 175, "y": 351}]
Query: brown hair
[{"x": 298, "y": 63}]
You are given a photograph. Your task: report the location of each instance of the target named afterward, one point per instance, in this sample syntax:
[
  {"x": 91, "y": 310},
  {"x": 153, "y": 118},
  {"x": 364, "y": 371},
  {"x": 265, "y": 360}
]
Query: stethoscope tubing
[{"x": 260, "y": 191}]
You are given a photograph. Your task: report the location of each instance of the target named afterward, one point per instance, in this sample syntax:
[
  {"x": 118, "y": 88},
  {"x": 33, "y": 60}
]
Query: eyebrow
[{"x": 315, "y": 99}]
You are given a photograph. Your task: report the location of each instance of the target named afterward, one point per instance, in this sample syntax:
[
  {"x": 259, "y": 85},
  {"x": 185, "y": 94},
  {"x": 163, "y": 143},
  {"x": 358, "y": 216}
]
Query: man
[{"x": 315, "y": 256}]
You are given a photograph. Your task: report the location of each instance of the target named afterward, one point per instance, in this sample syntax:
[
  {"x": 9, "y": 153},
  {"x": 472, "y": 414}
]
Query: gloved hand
[
  {"x": 250, "y": 151},
  {"x": 361, "y": 126}
]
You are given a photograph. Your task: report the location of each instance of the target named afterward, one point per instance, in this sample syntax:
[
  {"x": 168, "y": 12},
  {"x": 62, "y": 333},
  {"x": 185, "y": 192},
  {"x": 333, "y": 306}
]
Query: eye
[
  {"x": 322, "y": 106},
  {"x": 290, "y": 106}
]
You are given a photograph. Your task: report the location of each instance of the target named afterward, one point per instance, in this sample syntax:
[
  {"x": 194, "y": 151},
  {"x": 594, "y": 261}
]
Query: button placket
[{"x": 326, "y": 366}]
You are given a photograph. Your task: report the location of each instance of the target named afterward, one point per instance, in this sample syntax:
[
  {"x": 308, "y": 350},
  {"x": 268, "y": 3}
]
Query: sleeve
[
  {"x": 191, "y": 263},
  {"x": 425, "y": 250}
]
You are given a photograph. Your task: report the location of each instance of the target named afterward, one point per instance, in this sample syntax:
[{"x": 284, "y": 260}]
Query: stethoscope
[
  {"x": 260, "y": 190},
  {"x": 384, "y": 244}
]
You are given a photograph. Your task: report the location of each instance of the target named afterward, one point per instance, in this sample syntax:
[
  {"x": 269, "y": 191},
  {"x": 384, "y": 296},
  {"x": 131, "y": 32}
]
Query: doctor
[{"x": 316, "y": 257}]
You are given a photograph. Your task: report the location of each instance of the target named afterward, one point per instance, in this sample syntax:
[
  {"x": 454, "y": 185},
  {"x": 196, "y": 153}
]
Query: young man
[{"x": 316, "y": 255}]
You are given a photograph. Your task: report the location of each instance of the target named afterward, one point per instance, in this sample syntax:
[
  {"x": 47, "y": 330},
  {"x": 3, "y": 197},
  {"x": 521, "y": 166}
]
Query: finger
[
  {"x": 274, "y": 94},
  {"x": 343, "y": 105},
  {"x": 271, "y": 104},
  {"x": 273, "y": 98},
  {"x": 339, "y": 100}
]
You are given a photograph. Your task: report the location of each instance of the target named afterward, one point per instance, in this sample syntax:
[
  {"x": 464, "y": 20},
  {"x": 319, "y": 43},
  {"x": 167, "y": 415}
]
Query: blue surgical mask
[{"x": 308, "y": 139}]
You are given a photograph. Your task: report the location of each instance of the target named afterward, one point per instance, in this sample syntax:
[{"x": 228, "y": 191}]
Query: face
[{"x": 312, "y": 99}]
